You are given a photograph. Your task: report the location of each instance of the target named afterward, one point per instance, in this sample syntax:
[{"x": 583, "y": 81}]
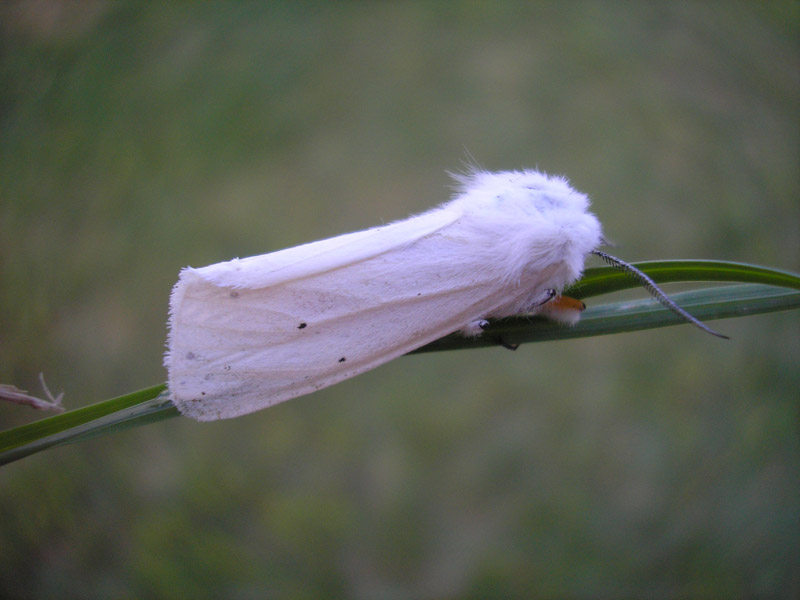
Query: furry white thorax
[{"x": 536, "y": 229}]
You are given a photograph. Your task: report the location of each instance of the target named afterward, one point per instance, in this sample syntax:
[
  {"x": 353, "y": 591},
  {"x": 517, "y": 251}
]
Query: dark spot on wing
[
  {"x": 342, "y": 359},
  {"x": 302, "y": 325}
]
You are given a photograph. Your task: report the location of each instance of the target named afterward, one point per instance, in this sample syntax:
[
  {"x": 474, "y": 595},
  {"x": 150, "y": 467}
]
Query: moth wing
[
  {"x": 235, "y": 351},
  {"x": 318, "y": 257}
]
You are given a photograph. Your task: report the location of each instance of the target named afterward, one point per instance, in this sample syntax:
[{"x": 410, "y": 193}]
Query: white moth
[{"x": 249, "y": 333}]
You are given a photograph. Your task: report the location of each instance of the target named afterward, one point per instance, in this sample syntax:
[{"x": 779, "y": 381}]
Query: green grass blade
[
  {"x": 759, "y": 295},
  {"x": 137, "y": 408},
  {"x": 604, "y": 280}
]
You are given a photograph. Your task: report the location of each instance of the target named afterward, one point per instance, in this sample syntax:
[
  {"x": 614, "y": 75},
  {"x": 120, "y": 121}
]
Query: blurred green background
[{"x": 138, "y": 138}]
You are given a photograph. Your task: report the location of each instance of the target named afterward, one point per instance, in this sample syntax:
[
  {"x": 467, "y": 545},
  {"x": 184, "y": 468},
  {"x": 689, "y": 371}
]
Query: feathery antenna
[{"x": 654, "y": 290}]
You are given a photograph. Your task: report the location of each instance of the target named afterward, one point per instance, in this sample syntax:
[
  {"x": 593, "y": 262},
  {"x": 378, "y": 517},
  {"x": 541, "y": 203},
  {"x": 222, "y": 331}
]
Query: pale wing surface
[
  {"x": 234, "y": 351},
  {"x": 325, "y": 255}
]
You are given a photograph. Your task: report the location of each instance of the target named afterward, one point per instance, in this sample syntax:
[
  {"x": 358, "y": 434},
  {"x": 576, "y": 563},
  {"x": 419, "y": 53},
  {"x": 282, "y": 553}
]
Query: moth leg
[
  {"x": 550, "y": 293},
  {"x": 506, "y": 345},
  {"x": 484, "y": 324},
  {"x": 475, "y": 328}
]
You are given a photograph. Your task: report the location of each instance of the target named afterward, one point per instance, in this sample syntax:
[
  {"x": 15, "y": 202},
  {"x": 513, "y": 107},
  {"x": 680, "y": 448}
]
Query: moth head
[{"x": 654, "y": 290}]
